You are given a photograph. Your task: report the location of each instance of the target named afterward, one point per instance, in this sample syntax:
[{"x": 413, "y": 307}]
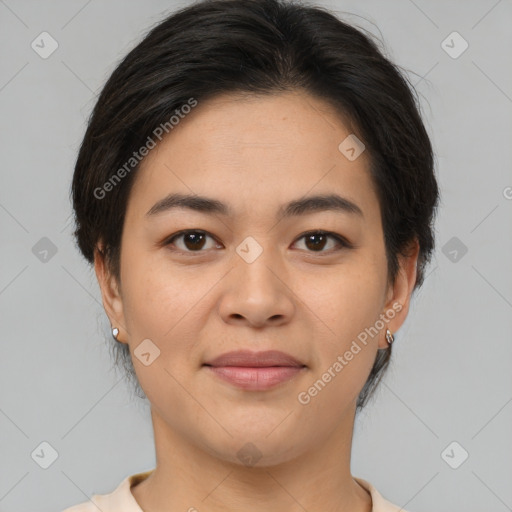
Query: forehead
[{"x": 255, "y": 153}]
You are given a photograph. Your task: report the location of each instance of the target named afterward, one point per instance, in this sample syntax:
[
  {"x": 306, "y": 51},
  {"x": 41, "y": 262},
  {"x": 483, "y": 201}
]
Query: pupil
[
  {"x": 195, "y": 239},
  {"x": 310, "y": 238}
]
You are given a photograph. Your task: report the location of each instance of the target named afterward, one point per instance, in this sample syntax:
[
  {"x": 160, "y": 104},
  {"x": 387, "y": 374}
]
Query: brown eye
[
  {"x": 192, "y": 241},
  {"x": 316, "y": 241}
]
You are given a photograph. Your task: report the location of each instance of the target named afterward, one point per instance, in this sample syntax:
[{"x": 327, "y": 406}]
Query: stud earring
[
  {"x": 115, "y": 332},
  {"x": 389, "y": 337}
]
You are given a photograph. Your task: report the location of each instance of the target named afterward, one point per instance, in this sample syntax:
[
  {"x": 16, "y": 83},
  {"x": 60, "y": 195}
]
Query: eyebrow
[{"x": 311, "y": 204}]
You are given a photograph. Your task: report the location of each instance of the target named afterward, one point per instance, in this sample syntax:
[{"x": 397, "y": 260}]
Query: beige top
[{"x": 122, "y": 500}]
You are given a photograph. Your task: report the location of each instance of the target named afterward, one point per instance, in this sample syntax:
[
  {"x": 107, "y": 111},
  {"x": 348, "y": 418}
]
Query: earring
[
  {"x": 389, "y": 337},
  {"x": 115, "y": 332}
]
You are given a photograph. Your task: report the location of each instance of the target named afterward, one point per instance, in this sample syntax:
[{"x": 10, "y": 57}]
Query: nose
[{"x": 257, "y": 293}]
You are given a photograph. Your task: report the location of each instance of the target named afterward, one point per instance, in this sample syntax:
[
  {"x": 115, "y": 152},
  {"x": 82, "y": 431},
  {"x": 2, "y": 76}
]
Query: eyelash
[{"x": 342, "y": 241}]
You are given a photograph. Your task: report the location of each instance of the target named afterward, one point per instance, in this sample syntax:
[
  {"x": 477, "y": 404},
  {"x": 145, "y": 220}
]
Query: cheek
[
  {"x": 346, "y": 311},
  {"x": 345, "y": 353},
  {"x": 149, "y": 297},
  {"x": 158, "y": 307},
  {"x": 163, "y": 302},
  {"x": 348, "y": 300}
]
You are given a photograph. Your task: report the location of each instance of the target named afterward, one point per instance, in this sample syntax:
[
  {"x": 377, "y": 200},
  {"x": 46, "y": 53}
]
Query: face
[{"x": 254, "y": 273}]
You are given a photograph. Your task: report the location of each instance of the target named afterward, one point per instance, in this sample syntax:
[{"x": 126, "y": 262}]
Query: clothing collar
[{"x": 122, "y": 498}]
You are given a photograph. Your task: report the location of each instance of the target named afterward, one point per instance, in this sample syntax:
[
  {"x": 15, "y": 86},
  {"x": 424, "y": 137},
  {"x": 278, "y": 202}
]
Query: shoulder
[
  {"x": 120, "y": 498},
  {"x": 379, "y": 503}
]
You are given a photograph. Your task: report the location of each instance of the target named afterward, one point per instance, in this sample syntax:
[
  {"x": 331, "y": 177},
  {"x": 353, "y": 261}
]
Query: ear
[
  {"x": 399, "y": 293},
  {"x": 110, "y": 293}
]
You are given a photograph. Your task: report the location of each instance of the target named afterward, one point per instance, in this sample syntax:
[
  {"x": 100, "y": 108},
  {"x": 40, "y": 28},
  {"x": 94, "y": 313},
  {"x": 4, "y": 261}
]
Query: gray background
[{"x": 450, "y": 379}]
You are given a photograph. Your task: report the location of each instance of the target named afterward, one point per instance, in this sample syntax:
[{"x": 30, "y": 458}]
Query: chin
[{"x": 255, "y": 449}]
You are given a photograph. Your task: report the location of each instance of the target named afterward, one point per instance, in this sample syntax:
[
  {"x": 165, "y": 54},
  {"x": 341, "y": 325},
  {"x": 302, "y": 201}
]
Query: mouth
[{"x": 255, "y": 371}]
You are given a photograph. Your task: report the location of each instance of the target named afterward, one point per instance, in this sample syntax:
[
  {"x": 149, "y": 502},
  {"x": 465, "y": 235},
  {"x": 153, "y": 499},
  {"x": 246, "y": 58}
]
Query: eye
[
  {"x": 317, "y": 240},
  {"x": 193, "y": 240}
]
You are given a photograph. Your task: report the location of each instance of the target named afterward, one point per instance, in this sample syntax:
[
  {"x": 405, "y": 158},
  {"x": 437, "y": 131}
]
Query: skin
[{"x": 255, "y": 154}]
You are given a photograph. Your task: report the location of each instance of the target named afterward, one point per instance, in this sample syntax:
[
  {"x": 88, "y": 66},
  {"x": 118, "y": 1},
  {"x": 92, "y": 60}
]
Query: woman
[{"x": 256, "y": 191}]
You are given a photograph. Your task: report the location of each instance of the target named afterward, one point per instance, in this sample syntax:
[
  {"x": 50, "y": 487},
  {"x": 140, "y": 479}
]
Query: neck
[{"x": 187, "y": 478}]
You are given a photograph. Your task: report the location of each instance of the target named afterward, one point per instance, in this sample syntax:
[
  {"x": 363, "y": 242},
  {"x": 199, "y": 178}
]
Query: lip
[
  {"x": 249, "y": 359},
  {"x": 255, "y": 371}
]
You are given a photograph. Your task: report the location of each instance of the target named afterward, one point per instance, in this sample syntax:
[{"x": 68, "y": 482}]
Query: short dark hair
[{"x": 259, "y": 47}]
